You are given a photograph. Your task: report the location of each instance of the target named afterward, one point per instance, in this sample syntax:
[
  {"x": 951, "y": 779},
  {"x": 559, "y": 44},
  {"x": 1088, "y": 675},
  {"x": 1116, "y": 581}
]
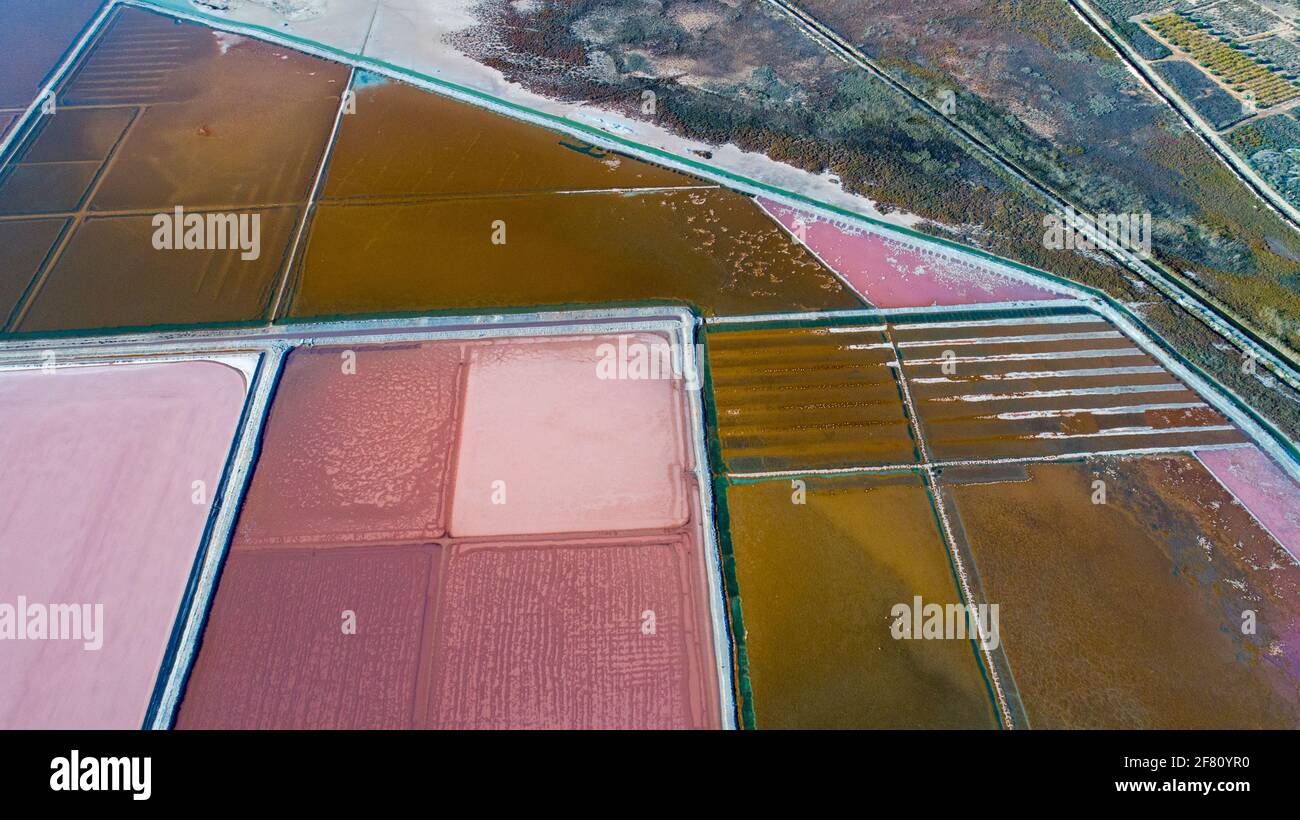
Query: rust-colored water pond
[
  {"x": 160, "y": 115},
  {"x": 1166, "y": 606},
  {"x": 27, "y": 242},
  {"x": 404, "y": 142},
  {"x": 427, "y": 204}
]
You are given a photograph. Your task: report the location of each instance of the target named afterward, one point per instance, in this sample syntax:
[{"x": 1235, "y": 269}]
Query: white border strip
[
  {"x": 217, "y": 545},
  {"x": 884, "y": 313}
]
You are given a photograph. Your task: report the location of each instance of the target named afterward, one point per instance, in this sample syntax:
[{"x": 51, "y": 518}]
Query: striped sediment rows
[
  {"x": 808, "y": 398},
  {"x": 986, "y": 389},
  {"x": 1028, "y": 388},
  {"x": 134, "y": 61}
]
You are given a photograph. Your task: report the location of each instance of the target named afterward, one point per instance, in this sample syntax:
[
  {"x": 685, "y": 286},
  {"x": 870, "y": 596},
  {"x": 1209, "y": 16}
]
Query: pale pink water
[
  {"x": 548, "y": 446},
  {"x": 97, "y": 472},
  {"x": 891, "y": 273},
  {"x": 1259, "y": 484}
]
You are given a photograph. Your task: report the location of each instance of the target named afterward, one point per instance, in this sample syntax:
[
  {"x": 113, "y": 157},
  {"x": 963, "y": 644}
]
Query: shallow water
[
  {"x": 897, "y": 273},
  {"x": 499, "y": 555},
  {"x": 551, "y": 636},
  {"x": 33, "y": 39},
  {"x": 1129, "y": 614},
  {"x": 98, "y": 466},
  {"x": 26, "y": 244},
  {"x": 807, "y": 399},
  {"x": 144, "y": 287},
  {"x": 710, "y": 248},
  {"x": 817, "y": 584},
  {"x": 184, "y": 118},
  {"x": 221, "y": 135},
  {"x": 357, "y": 448}
]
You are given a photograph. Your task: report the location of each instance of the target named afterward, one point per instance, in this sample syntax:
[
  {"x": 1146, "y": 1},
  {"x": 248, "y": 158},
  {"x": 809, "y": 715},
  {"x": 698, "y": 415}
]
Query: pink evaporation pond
[
  {"x": 274, "y": 655},
  {"x": 98, "y": 468},
  {"x": 890, "y": 273},
  {"x": 548, "y": 445},
  {"x": 554, "y": 636},
  {"x": 1262, "y": 487},
  {"x": 356, "y": 447}
]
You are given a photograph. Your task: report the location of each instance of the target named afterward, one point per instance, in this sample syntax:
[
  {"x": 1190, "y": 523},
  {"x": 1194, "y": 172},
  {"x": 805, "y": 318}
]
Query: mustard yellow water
[
  {"x": 818, "y": 582},
  {"x": 712, "y": 249}
]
